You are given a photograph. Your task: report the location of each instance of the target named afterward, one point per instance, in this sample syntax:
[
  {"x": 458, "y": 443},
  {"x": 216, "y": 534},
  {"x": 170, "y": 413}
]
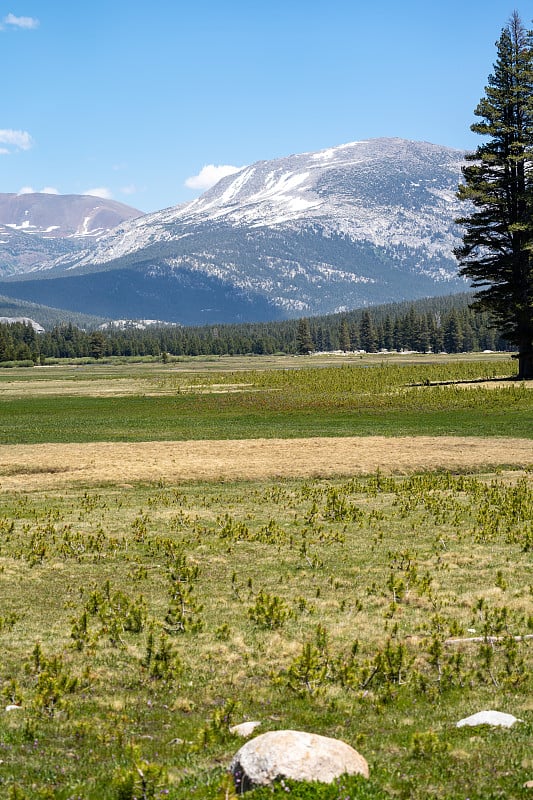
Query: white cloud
[
  {"x": 28, "y": 23},
  {"x": 99, "y": 191},
  {"x": 31, "y": 190},
  {"x": 131, "y": 189},
  {"x": 209, "y": 175},
  {"x": 14, "y": 140}
]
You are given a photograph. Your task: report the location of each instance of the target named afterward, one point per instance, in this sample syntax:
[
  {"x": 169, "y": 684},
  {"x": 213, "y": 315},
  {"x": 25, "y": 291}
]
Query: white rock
[
  {"x": 245, "y": 728},
  {"x": 489, "y": 718},
  {"x": 13, "y": 707},
  {"x": 294, "y": 754}
]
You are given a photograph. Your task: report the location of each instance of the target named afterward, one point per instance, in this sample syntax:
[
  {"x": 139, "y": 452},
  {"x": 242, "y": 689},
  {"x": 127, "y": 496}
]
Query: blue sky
[{"x": 146, "y": 102}]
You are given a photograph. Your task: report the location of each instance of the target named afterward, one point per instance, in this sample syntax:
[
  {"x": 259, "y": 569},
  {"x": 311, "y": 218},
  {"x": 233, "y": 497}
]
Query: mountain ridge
[
  {"x": 38, "y": 227},
  {"x": 62, "y": 215},
  {"x": 357, "y": 224},
  {"x": 237, "y": 200}
]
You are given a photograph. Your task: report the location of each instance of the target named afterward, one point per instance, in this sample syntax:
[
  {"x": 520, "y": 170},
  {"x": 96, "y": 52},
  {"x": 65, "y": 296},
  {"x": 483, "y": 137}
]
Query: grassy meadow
[
  {"x": 306, "y": 398},
  {"x": 140, "y": 620}
]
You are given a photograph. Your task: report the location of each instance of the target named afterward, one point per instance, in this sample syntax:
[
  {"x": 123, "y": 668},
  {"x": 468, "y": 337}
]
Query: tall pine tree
[
  {"x": 367, "y": 333},
  {"x": 497, "y": 251},
  {"x": 304, "y": 342},
  {"x": 344, "y": 337}
]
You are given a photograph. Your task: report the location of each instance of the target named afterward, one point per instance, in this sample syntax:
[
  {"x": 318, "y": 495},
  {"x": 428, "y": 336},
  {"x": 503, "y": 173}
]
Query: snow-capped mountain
[
  {"x": 37, "y": 228},
  {"x": 360, "y": 223}
]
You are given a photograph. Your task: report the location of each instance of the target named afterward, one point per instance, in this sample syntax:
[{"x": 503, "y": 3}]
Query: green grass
[
  {"x": 329, "y": 401},
  {"x": 138, "y": 621},
  {"x": 315, "y": 605},
  {"x": 150, "y": 419}
]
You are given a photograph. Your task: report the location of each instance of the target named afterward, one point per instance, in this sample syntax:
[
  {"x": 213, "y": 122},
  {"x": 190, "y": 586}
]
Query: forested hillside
[{"x": 436, "y": 324}]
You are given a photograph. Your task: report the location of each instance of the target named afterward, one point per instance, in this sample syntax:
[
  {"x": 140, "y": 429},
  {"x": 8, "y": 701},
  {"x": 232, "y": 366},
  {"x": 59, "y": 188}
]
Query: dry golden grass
[
  {"x": 492, "y": 384},
  {"x": 92, "y": 388},
  {"x": 35, "y": 466},
  {"x": 118, "y": 387}
]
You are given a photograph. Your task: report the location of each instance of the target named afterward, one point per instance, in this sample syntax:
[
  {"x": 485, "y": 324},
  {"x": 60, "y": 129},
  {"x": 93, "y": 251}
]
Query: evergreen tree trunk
[{"x": 525, "y": 364}]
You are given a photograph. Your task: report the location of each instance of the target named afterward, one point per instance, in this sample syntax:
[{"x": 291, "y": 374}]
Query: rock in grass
[
  {"x": 244, "y": 729},
  {"x": 489, "y": 718},
  {"x": 13, "y": 707},
  {"x": 297, "y": 755}
]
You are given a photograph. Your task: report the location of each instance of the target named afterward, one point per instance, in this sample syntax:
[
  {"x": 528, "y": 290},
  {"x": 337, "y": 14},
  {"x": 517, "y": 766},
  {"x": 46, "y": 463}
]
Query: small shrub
[
  {"x": 217, "y": 729},
  {"x": 269, "y": 611},
  {"x": 161, "y": 663},
  {"x": 427, "y": 745}
]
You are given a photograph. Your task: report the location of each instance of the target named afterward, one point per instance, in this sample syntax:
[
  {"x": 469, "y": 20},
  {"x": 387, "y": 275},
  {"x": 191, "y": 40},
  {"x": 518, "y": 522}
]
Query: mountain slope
[
  {"x": 37, "y": 228},
  {"x": 20, "y": 252},
  {"x": 366, "y": 222}
]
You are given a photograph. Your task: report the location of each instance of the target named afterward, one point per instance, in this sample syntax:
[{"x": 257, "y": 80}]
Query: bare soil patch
[{"x": 31, "y": 467}]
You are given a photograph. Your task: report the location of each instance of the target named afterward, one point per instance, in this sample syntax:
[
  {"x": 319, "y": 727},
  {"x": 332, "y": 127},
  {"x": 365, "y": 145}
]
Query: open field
[
  {"x": 40, "y": 466},
  {"x": 166, "y": 570},
  {"x": 139, "y": 404},
  {"x": 137, "y": 621}
]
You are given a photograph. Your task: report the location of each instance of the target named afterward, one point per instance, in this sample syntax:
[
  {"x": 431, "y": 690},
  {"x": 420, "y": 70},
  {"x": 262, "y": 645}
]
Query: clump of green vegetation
[{"x": 269, "y": 611}]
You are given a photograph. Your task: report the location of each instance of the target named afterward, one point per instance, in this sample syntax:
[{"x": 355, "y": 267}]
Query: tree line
[{"x": 433, "y": 325}]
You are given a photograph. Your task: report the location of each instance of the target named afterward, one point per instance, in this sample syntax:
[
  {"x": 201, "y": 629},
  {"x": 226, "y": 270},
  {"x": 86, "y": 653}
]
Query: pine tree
[
  {"x": 367, "y": 333},
  {"x": 304, "y": 341},
  {"x": 453, "y": 333},
  {"x": 397, "y": 336},
  {"x": 497, "y": 251},
  {"x": 355, "y": 343},
  {"x": 97, "y": 344},
  {"x": 412, "y": 329},
  {"x": 423, "y": 342},
  {"x": 388, "y": 333},
  {"x": 344, "y": 337}
]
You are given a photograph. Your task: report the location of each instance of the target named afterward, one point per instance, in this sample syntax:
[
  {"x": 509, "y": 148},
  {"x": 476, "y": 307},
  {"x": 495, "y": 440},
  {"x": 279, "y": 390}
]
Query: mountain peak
[
  {"x": 62, "y": 215},
  {"x": 348, "y": 188},
  {"x": 359, "y": 223}
]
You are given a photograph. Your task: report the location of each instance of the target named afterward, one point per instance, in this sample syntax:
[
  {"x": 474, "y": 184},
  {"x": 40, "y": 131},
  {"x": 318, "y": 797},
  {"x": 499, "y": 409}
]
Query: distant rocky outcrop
[
  {"x": 25, "y": 321},
  {"x": 56, "y": 216}
]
